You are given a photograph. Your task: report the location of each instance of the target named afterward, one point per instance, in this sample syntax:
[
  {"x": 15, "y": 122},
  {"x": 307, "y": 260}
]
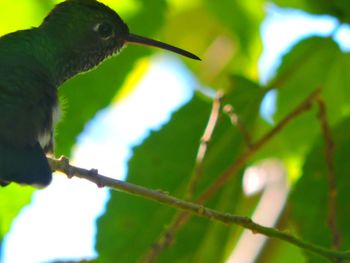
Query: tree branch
[
  {"x": 202, "y": 149},
  {"x": 62, "y": 165},
  {"x": 235, "y": 120},
  {"x": 332, "y": 187}
]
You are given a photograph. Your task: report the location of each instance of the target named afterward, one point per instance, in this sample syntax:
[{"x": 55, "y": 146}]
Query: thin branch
[
  {"x": 63, "y": 165},
  {"x": 332, "y": 187},
  {"x": 168, "y": 235},
  {"x": 202, "y": 149},
  {"x": 235, "y": 120},
  {"x": 166, "y": 238},
  {"x": 231, "y": 170}
]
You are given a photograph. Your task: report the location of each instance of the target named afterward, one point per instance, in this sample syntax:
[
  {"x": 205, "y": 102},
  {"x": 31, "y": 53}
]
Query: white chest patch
[
  {"x": 46, "y": 137},
  {"x": 56, "y": 114}
]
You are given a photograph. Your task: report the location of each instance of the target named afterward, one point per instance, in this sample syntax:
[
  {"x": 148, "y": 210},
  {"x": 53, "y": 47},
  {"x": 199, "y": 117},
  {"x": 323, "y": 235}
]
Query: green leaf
[
  {"x": 309, "y": 199},
  {"x": 165, "y": 161},
  {"x": 313, "y": 63},
  {"x": 13, "y": 198},
  {"x": 339, "y": 9}
]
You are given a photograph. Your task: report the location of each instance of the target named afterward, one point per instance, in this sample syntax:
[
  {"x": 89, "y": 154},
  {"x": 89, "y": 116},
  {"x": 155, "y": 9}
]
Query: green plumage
[
  {"x": 27, "y": 96},
  {"x": 76, "y": 36},
  {"x": 33, "y": 64}
]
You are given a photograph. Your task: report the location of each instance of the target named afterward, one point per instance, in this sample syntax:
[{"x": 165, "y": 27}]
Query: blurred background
[{"x": 140, "y": 116}]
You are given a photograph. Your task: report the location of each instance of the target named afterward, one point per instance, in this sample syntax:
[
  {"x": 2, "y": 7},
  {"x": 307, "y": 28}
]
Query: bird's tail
[{"x": 26, "y": 166}]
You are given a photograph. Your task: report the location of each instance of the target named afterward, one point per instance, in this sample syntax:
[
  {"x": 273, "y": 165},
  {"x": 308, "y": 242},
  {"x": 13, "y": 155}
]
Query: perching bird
[{"x": 76, "y": 36}]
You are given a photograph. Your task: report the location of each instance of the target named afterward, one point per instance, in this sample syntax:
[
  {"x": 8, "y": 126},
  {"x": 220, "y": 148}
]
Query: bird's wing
[{"x": 26, "y": 101}]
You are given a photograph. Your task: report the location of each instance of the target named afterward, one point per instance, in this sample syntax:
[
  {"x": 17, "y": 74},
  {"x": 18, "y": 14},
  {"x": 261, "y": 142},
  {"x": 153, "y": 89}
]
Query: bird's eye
[{"x": 105, "y": 30}]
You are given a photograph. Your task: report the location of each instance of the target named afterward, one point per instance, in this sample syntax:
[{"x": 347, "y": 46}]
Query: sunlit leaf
[{"x": 13, "y": 198}]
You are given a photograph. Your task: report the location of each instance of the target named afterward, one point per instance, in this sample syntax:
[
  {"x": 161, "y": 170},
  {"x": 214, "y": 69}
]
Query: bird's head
[{"x": 96, "y": 31}]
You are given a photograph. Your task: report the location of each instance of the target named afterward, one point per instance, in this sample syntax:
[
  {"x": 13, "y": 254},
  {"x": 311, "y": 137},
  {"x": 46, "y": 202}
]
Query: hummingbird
[{"x": 76, "y": 36}]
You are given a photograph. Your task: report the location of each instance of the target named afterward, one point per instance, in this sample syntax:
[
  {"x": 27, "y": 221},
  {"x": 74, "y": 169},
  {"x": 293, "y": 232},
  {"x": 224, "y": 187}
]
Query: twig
[
  {"x": 235, "y": 120},
  {"x": 63, "y": 165},
  {"x": 168, "y": 234},
  {"x": 167, "y": 237},
  {"x": 332, "y": 187},
  {"x": 202, "y": 149}
]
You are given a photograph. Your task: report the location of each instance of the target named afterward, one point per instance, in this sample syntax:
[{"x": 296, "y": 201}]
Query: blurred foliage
[
  {"x": 340, "y": 9},
  {"x": 226, "y": 35}
]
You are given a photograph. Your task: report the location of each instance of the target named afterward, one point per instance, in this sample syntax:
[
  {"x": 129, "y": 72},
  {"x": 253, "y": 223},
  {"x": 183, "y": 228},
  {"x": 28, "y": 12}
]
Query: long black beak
[{"x": 139, "y": 40}]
